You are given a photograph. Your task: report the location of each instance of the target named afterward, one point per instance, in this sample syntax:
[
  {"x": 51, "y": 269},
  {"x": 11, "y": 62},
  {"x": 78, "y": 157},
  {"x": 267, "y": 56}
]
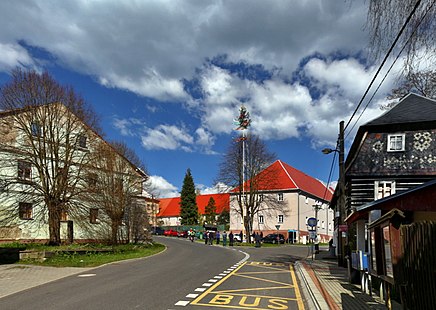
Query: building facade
[
  {"x": 287, "y": 199},
  {"x": 56, "y": 174}
]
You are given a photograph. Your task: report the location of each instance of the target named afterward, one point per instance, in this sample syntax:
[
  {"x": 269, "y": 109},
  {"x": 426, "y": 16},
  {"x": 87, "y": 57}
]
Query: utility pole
[{"x": 341, "y": 200}]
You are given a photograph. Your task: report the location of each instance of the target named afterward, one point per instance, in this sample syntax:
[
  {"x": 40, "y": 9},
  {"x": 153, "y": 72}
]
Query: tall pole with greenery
[{"x": 188, "y": 201}]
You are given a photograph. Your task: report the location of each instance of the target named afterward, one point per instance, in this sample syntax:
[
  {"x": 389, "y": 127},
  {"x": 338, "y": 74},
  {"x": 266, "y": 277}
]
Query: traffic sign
[{"x": 311, "y": 221}]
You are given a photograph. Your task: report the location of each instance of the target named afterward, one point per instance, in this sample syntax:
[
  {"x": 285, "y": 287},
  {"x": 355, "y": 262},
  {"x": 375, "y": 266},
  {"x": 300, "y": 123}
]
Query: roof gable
[
  {"x": 281, "y": 176},
  {"x": 411, "y": 109}
]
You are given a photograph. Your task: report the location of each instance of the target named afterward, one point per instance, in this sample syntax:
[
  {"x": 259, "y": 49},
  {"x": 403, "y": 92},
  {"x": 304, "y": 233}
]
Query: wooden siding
[{"x": 361, "y": 191}]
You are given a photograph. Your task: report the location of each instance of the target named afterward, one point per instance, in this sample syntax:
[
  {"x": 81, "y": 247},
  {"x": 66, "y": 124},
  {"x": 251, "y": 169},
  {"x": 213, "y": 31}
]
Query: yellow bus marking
[{"x": 297, "y": 290}]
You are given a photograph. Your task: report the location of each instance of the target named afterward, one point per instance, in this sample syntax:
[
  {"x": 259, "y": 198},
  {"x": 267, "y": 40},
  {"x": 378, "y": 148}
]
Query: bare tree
[
  {"x": 43, "y": 139},
  {"x": 249, "y": 183},
  {"x": 386, "y": 18},
  {"x": 118, "y": 189},
  {"x": 422, "y": 83}
]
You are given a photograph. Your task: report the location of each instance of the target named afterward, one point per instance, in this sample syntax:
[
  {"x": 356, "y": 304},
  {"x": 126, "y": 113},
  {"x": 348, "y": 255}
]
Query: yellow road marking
[
  {"x": 224, "y": 295},
  {"x": 260, "y": 279},
  {"x": 216, "y": 284},
  {"x": 297, "y": 289},
  {"x": 252, "y": 295}
]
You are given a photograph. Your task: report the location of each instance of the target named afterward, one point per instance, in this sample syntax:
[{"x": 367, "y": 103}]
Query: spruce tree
[
  {"x": 210, "y": 211},
  {"x": 188, "y": 201}
]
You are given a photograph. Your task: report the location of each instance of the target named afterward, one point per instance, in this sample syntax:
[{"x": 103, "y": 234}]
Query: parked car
[
  {"x": 237, "y": 238},
  {"x": 171, "y": 233},
  {"x": 183, "y": 234},
  {"x": 157, "y": 230},
  {"x": 274, "y": 238}
]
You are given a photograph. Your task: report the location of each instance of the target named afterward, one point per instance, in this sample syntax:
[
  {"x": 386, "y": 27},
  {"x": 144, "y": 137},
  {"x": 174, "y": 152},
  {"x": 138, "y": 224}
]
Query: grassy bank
[{"x": 87, "y": 255}]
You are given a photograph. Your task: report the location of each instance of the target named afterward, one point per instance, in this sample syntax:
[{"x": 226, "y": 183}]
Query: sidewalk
[
  {"x": 16, "y": 278},
  {"x": 328, "y": 286}
]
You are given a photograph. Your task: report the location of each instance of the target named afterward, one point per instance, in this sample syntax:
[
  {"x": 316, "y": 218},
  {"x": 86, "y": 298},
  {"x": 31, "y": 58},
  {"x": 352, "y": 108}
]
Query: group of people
[{"x": 209, "y": 236}]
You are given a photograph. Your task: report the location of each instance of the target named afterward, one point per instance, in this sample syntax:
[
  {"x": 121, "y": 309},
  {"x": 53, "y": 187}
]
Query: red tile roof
[
  {"x": 279, "y": 176},
  {"x": 170, "y": 207}
]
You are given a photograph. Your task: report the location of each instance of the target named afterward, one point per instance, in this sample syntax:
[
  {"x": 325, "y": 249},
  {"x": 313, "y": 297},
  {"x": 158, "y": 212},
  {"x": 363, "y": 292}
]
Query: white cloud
[
  {"x": 13, "y": 55},
  {"x": 218, "y": 188},
  {"x": 161, "y": 188},
  {"x": 167, "y": 137}
]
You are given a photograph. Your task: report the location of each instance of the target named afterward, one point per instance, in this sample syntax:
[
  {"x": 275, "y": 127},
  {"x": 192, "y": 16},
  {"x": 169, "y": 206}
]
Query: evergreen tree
[
  {"x": 210, "y": 211},
  {"x": 188, "y": 201},
  {"x": 223, "y": 218}
]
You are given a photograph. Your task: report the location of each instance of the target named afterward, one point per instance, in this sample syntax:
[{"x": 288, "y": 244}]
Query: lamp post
[{"x": 341, "y": 183}]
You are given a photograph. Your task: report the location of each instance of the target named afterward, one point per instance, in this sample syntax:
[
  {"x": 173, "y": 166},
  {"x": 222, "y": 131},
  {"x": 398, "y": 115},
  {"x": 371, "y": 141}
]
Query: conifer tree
[
  {"x": 210, "y": 211},
  {"x": 188, "y": 201}
]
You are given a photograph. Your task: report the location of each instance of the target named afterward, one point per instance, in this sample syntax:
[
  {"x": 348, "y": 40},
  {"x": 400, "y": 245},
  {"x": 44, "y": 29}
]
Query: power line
[
  {"x": 384, "y": 60},
  {"x": 390, "y": 68}
]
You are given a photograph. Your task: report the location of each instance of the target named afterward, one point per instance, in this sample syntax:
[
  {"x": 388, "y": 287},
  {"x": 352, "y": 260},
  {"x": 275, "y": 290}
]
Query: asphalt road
[
  {"x": 162, "y": 281},
  {"x": 156, "y": 282}
]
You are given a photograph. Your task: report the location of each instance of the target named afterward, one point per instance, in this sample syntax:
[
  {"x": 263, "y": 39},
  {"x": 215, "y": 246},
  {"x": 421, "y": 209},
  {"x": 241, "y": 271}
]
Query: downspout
[{"x": 298, "y": 218}]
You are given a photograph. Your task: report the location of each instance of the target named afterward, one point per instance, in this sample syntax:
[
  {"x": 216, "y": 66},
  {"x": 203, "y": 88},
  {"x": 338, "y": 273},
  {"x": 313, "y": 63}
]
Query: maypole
[{"x": 243, "y": 122}]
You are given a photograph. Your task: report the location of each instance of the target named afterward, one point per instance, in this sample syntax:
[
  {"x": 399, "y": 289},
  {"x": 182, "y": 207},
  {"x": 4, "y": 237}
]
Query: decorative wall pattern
[{"x": 418, "y": 158}]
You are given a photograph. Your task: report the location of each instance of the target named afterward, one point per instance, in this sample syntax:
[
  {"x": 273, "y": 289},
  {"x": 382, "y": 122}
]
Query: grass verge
[{"x": 91, "y": 255}]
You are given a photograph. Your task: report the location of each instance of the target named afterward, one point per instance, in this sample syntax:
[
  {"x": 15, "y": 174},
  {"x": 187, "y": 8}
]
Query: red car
[
  {"x": 183, "y": 234},
  {"x": 171, "y": 233}
]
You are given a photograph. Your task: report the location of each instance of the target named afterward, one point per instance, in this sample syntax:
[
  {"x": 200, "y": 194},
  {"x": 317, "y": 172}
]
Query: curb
[{"x": 313, "y": 295}]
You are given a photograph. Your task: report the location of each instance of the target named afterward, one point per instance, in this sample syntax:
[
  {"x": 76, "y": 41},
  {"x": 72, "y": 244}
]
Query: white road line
[
  {"x": 207, "y": 284},
  {"x": 182, "y": 303},
  {"x": 200, "y": 289},
  {"x": 218, "y": 277},
  {"x": 191, "y": 295},
  {"x": 86, "y": 275},
  {"x": 222, "y": 274},
  {"x": 213, "y": 280}
]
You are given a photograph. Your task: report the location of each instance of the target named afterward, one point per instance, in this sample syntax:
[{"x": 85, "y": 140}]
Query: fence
[{"x": 417, "y": 268}]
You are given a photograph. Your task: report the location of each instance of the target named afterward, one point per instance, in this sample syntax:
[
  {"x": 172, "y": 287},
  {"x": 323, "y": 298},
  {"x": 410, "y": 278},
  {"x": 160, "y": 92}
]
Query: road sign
[
  {"x": 343, "y": 228},
  {"x": 311, "y": 221},
  {"x": 312, "y": 234},
  {"x": 277, "y": 227}
]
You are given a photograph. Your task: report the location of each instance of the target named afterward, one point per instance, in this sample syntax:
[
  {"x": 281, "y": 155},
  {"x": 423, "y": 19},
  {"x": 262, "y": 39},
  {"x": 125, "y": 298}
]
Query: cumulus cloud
[
  {"x": 161, "y": 188},
  {"x": 152, "y": 47}
]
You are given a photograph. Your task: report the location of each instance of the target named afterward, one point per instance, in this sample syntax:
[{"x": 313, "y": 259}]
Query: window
[
  {"x": 260, "y": 197},
  {"x": 387, "y": 251},
  {"x": 383, "y": 189},
  {"x": 280, "y": 218},
  {"x": 260, "y": 219},
  {"x": 36, "y": 129},
  {"x": 25, "y": 211},
  {"x": 322, "y": 225},
  {"x": 396, "y": 142},
  {"x": 93, "y": 216},
  {"x": 82, "y": 141},
  {"x": 24, "y": 170},
  {"x": 280, "y": 196},
  {"x": 92, "y": 180},
  {"x": 64, "y": 215}
]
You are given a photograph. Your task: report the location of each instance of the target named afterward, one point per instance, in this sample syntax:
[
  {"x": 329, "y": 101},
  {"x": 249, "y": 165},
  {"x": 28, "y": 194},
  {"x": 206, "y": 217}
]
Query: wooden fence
[{"x": 417, "y": 268}]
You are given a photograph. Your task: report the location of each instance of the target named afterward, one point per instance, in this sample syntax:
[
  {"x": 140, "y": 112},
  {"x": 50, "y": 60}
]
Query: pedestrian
[
  {"x": 231, "y": 238},
  {"x": 224, "y": 238},
  {"x": 253, "y": 237},
  {"x": 218, "y": 236},
  {"x": 210, "y": 237},
  {"x": 205, "y": 236},
  {"x": 257, "y": 240},
  {"x": 241, "y": 235},
  {"x": 261, "y": 235}
]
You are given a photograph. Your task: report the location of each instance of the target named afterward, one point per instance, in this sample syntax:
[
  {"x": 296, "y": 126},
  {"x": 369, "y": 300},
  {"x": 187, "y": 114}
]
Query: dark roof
[{"x": 411, "y": 109}]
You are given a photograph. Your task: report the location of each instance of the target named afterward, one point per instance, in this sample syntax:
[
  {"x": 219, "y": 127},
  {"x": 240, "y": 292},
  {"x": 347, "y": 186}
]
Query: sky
[{"x": 168, "y": 77}]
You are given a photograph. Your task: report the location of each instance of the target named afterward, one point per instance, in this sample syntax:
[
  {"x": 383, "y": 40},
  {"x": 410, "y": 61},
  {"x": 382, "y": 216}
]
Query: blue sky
[{"x": 168, "y": 77}]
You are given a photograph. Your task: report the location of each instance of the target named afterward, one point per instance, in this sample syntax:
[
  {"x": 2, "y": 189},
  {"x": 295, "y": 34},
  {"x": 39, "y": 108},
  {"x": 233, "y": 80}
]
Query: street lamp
[{"x": 341, "y": 183}]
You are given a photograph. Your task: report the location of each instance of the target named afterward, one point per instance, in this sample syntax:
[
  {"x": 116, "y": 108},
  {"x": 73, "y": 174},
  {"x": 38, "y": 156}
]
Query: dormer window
[{"x": 396, "y": 142}]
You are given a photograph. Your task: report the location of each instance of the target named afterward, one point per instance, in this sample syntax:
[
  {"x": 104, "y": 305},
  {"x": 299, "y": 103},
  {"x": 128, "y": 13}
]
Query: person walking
[
  {"x": 231, "y": 238},
  {"x": 205, "y": 236},
  {"x": 218, "y": 236},
  {"x": 224, "y": 238},
  {"x": 210, "y": 237},
  {"x": 257, "y": 240},
  {"x": 241, "y": 235}
]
